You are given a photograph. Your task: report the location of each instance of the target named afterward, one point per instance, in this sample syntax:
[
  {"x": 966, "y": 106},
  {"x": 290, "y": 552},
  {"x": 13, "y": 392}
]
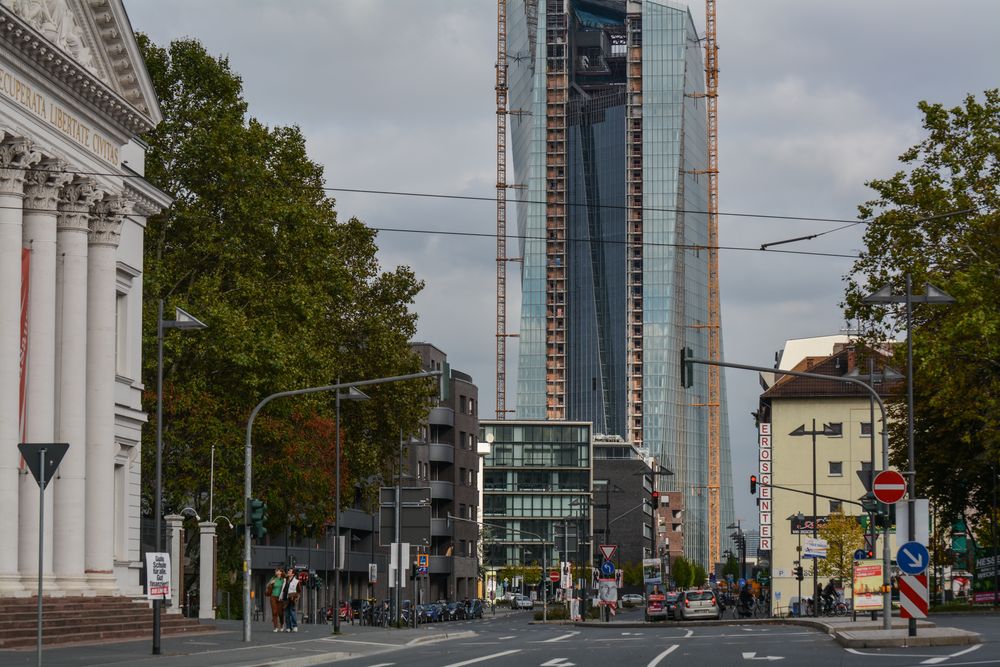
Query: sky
[{"x": 815, "y": 99}]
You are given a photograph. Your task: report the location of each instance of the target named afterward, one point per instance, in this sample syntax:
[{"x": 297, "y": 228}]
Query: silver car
[{"x": 698, "y": 604}]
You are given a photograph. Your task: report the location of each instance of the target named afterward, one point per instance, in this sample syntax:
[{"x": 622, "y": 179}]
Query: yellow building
[{"x": 793, "y": 409}]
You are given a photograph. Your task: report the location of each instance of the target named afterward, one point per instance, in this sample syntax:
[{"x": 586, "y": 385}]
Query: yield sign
[
  {"x": 608, "y": 550},
  {"x": 889, "y": 487}
]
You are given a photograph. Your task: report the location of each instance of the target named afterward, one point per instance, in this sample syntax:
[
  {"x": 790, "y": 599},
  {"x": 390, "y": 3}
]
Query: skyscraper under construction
[{"x": 608, "y": 131}]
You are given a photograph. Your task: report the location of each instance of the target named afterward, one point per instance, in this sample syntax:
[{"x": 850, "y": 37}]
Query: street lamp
[
  {"x": 829, "y": 430},
  {"x": 885, "y": 295},
  {"x": 183, "y": 320},
  {"x": 352, "y": 394}
]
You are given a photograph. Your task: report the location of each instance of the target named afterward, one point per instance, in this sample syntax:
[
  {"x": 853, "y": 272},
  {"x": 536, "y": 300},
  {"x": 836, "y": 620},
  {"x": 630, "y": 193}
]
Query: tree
[
  {"x": 682, "y": 572},
  {"x": 732, "y": 567},
  {"x": 937, "y": 220},
  {"x": 292, "y": 297},
  {"x": 843, "y": 536}
]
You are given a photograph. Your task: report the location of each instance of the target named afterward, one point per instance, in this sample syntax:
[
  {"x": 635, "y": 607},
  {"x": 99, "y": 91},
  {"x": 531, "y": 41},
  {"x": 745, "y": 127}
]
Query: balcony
[
  {"x": 442, "y": 490},
  {"x": 441, "y": 417},
  {"x": 440, "y": 565},
  {"x": 440, "y": 528},
  {"x": 440, "y": 452}
]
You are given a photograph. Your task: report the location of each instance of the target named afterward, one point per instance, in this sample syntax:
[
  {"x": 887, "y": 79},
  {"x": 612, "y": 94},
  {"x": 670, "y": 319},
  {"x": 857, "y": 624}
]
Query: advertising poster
[
  {"x": 982, "y": 587},
  {"x": 157, "y": 575},
  {"x": 867, "y": 584},
  {"x": 651, "y": 571}
]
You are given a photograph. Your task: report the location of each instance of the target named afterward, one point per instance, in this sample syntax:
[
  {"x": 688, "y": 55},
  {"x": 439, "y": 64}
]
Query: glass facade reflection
[
  {"x": 537, "y": 477},
  {"x": 674, "y": 275}
]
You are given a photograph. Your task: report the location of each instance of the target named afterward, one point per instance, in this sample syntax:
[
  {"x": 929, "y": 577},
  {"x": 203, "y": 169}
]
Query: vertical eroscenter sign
[{"x": 764, "y": 499}]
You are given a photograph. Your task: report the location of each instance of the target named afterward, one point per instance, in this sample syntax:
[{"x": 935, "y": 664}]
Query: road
[{"x": 512, "y": 642}]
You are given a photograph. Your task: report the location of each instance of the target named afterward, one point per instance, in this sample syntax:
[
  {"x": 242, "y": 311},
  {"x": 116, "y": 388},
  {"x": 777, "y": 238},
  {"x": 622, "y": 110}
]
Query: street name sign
[
  {"x": 913, "y": 596},
  {"x": 913, "y": 558},
  {"x": 889, "y": 487}
]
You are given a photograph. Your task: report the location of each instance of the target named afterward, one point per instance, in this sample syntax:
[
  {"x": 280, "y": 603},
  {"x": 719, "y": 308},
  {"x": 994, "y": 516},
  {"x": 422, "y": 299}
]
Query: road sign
[
  {"x": 607, "y": 568},
  {"x": 814, "y": 547},
  {"x": 913, "y": 596},
  {"x": 423, "y": 563},
  {"x": 912, "y": 558},
  {"x": 554, "y": 575},
  {"x": 54, "y": 452},
  {"x": 608, "y": 550},
  {"x": 742, "y": 582},
  {"x": 860, "y": 554},
  {"x": 921, "y": 522},
  {"x": 889, "y": 487}
]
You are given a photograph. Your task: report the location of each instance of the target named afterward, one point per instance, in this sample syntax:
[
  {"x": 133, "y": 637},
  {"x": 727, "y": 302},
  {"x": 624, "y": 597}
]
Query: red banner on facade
[{"x": 25, "y": 264}]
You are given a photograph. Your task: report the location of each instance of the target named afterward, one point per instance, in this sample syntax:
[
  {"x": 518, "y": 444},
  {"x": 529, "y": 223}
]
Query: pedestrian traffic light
[
  {"x": 656, "y": 500},
  {"x": 257, "y": 513},
  {"x": 753, "y": 484},
  {"x": 687, "y": 368},
  {"x": 798, "y": 573}
]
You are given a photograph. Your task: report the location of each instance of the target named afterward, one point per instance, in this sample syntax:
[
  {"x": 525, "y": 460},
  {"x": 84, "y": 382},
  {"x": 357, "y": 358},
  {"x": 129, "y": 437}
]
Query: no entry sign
[
  {"x": 554, "y": 575},
  {"x": 889, "y": 487}
]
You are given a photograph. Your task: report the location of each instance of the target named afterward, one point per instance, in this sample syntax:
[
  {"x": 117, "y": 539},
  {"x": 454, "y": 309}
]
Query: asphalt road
[{"x": 513, "y": 642}]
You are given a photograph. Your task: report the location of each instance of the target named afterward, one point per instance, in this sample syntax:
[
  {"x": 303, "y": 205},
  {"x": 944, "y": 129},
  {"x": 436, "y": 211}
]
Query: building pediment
[{"x": 89, "y": 46}]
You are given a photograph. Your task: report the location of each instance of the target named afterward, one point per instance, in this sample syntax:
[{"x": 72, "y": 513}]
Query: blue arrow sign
[
  {"x": 607, "y": 568},
  {"x": 913, "y": 558},
  {"x": 860, "y": 554}
]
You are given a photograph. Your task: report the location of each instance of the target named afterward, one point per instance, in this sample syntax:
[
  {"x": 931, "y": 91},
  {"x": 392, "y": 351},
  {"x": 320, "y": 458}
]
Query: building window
[
  {"x": 866, "y": 429},
  {"x": 461, "y": 510},
  {"x": 472, "y": 477},
  {"x": 472, "y": 407},
  {"x": 121, "y": 335},
  {"x": 462, "y": 404},
  {"x": 836, "y": 468},
  {"x": 834, "y": 430},
  {"x": 461, "y": 476},
  {"x": 836, "y": 506}
]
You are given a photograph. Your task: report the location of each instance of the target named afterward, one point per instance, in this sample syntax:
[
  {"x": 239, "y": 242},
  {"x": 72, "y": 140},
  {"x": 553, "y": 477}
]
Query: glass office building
[
  {"x": 608, "y": 137},
  {"x": 537, "y": 482}
]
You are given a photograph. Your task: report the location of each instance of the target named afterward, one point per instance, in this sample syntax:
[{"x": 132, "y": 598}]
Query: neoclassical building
[{"x": 74, "y": 95}]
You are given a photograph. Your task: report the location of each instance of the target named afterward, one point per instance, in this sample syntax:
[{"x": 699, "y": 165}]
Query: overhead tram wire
[{"x": 492, "y": 200}]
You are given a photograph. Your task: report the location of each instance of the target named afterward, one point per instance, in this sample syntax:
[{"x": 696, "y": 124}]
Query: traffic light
[
  {"x": 869, "y": 554},
  {"x": 687, "y": 368},
  {"x": 753, "y": 484},
  {"x": 656, "y": 500},
  {"x": 798, "y": 573},
  {"x": 257, "y": 514}
]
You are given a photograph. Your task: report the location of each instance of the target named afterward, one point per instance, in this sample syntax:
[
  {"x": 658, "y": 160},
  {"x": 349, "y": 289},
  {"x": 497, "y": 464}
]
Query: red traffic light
[
  {"x": 753, "y": 483},
  {"x": 656, "y": 500}
]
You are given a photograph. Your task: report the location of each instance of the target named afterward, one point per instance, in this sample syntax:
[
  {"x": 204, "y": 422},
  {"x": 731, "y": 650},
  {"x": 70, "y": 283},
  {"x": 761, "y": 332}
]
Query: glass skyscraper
[{"x": 608, "y": 138}]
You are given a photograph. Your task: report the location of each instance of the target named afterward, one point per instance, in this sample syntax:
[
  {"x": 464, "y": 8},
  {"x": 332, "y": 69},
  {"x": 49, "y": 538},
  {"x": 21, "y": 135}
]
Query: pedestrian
[
  {"x": 290, "y": 595},
  {"x": 273, "y": 592}
]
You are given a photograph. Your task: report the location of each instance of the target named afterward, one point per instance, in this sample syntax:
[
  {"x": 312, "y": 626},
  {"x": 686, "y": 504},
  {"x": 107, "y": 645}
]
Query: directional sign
[
  {"x": 608, "y": 550},
  {"x": 912, "y": 558},
  {"x": 860, "y": 554},
  {"x": 607, "y": 568},
  {"x": 889, "y": 487},
  {"x": 913, "y": 595}
]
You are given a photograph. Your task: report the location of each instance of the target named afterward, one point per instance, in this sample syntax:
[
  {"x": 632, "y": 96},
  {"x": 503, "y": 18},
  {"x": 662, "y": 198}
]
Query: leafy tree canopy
[
  {"x": 292, "y": 296},
  {"x": 937, "y": 220},
  {"x": 844, "y": 536}
]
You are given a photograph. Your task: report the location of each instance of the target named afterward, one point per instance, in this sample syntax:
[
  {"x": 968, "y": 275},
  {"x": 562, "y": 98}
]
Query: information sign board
[{"x": 157, "y": 575}]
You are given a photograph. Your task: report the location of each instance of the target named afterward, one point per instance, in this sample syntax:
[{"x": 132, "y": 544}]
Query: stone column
[
  {"x": 15, "y": 156},
  {"x": 41, "y": 190},
  {"x": 69, "y": 520},
  {"x": 206, "y": 570},
  {"x": 175, "y": 547},
  {"x": 105, "y": 229}
]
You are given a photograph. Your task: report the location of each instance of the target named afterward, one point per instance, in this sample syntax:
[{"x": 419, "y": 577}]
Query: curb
[{"x": 955, "y": 637}]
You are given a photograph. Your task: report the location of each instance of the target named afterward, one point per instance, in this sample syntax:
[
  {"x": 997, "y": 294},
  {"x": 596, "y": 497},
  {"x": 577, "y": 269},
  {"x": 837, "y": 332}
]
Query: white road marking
[
  {"x": 663, "y": 655},
  {"x": 942, "y": 658},
  {"x": 384, "y": 664},
  {"x": 558, "y": 662},
  {"x": 890, "y": 655},
  {"x": 484, "y": 658},
  {"x": 688, "y": 634},
  {"x": 752, "y": 655},
  {"x": 508, "y": 637},
  {"x": 559, "y": 638}
]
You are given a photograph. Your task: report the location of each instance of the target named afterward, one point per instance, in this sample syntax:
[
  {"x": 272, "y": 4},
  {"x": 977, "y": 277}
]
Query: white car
[
  {"x": 633, "y": 598},
  {"x": 523, "y": 602}
]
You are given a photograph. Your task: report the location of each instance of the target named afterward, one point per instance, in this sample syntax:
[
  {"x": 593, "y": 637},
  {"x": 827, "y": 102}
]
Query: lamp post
[
  {"x": 183, "y": 320},
  {"x": 798, "y": 563},
  {"x": 248, "y": 467},
  {"x": 352, "y": 394},
  {"x": 885, "y": 295},
  {"x": 828, "y": 430}
]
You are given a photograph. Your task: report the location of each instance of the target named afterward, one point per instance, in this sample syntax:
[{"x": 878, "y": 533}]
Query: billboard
[{"x": 867, "y": 586}]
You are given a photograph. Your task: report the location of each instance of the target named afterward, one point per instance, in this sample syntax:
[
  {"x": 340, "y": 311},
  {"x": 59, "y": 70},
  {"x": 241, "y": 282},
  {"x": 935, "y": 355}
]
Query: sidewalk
[{"x": 311, "y": 645}]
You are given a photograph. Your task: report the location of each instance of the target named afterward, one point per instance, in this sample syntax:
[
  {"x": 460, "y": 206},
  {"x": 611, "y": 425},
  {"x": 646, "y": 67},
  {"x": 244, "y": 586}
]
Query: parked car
[
  {"x": 345, "y": 610},
  {"x": 698, "y": 604},
  {"x": 633, "y": 598},
  {"x": 455, "y": 611},
  {"x": 474, "y": 609},
  {"x": 523, "y": 602}
]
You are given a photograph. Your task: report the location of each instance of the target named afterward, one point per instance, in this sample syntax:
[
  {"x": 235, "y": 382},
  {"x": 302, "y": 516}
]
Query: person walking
[
  {"x": 290, "y": 591},
  {"x": 273, "y": 592}
]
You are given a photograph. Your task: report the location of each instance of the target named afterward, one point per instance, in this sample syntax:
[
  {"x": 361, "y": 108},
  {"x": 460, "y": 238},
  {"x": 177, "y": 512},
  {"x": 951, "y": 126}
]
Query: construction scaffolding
[{"x": 633, "y": 216}]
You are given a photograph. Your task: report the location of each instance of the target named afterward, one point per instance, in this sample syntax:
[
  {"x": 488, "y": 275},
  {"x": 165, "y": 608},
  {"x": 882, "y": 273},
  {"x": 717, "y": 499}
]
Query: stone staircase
[{"x": 73, "y": 620}]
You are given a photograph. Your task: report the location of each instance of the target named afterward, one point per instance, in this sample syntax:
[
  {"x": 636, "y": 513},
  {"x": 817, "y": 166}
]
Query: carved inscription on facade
[{"x": 23, "y": 94}]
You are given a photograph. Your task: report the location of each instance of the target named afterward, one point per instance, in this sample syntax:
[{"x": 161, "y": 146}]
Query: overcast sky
[{"x": 815, "y": 99}]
